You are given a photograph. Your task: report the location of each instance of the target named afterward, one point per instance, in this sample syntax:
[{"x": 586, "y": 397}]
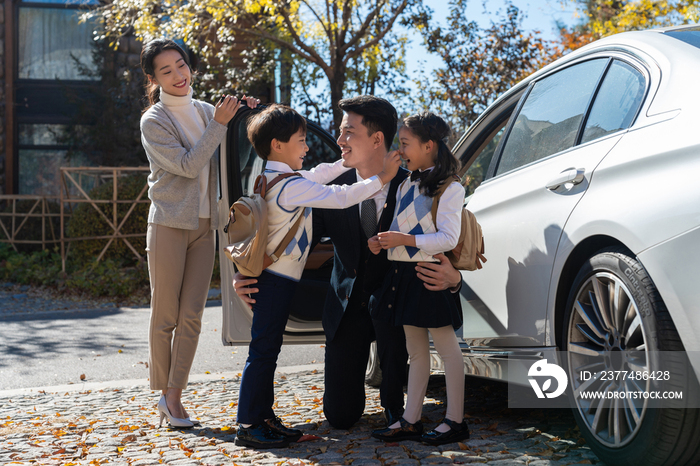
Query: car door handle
[{"x": 570, "y": 175}]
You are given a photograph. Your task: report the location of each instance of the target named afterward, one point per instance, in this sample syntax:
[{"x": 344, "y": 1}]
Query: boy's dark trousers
[{"x": 270, "y": 314}]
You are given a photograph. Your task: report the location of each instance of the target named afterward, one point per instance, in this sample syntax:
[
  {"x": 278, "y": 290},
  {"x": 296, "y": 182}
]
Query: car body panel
[{"x": 521, "y": 242}]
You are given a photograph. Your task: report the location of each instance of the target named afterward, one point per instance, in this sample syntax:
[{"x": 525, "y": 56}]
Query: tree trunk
[{"x": 337, "y": 83}]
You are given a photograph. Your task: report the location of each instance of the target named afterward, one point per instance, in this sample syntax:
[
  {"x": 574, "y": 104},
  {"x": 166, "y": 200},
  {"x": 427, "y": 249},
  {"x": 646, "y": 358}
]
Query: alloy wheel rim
[{"x": 606, "y": 338}]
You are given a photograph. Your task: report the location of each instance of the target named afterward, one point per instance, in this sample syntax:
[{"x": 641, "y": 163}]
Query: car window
[
  {"x": 320, "y": 150},
  {"x": 476, "y": 173},
  {"x": 251, "y": 165},
  {"x": 617, "y": 101},
  {"x": 551, "y": 115}
]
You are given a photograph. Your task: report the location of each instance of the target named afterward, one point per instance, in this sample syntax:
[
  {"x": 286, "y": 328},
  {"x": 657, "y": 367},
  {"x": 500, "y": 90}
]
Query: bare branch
[
  {"x": 320, "y": 20},
  {"x": 368, "y": 20},
  {"x": 358, "y": 50},
  {"x": 277, "y": 40},
  {"x": 310, "y": 51},
  {"x": 346, "y": 23}
]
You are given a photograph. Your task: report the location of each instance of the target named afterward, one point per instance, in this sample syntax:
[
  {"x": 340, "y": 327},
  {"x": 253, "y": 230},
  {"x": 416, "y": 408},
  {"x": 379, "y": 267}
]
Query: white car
[{"x": 584, "y": 179}]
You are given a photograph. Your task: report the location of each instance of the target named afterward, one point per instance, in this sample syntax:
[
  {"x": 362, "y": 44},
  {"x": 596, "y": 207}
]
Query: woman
[{"x": 181, "y": 137}]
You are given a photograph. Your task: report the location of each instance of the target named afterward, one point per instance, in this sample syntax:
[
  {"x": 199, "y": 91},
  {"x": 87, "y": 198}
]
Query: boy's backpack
[
  {"x": 247, "y": 230},
  {"x": 469, "y": 252}
]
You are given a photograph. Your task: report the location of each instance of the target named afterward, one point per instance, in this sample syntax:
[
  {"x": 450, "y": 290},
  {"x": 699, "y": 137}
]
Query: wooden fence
[
  {"x": 14, "y": 224},
  {"x": 76, "y": 183},
  {"x": 72, "y": 192}
]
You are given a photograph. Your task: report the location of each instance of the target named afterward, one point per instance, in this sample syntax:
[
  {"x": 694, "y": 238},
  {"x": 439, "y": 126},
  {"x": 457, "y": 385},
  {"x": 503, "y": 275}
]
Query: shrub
[{"x": 87, "y": 222}]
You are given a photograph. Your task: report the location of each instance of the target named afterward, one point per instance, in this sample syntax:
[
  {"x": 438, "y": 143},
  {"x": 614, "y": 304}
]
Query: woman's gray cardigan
[{"x": 173, "y": 185}]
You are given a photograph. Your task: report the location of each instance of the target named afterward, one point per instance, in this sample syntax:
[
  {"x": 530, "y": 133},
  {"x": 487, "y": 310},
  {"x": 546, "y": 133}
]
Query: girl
[
  {"x": 403, "y": 299},
  {"x": 181, "y": 137}
]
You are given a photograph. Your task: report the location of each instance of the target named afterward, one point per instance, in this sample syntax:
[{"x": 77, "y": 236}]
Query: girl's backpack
[
  {"x": 469, "y": 252},
  {"x": 247, "y": 230}
]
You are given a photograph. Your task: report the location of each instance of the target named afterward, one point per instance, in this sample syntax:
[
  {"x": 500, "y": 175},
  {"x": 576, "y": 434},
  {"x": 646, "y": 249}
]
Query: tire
[
  {"x": 614, "y": 309},
  {"x": 373, "y": 373}
]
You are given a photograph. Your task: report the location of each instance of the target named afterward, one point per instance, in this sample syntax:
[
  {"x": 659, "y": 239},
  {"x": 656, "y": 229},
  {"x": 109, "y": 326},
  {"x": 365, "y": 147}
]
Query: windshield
[{"x": 689, "y": 36}]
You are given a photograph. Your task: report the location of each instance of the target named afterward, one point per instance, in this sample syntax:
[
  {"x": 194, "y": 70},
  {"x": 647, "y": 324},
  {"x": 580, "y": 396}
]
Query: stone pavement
[{"x": 119, "y": 426}]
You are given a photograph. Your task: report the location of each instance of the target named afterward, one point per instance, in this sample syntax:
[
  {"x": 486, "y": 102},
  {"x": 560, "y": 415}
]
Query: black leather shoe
[
  {"x": 392, "y": 416},
  {"x": 276, "y": 426},
  {"x": 259, "y": 436},
  {"x": 457, "y": 433},
  {"x": 406, "y": 431}
]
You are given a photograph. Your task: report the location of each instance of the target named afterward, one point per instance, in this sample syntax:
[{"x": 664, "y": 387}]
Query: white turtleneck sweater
[{"x": 193, "y": 125}]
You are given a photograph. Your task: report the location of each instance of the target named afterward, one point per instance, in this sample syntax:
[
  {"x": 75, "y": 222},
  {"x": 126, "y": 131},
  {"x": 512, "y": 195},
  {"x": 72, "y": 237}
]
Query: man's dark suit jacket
[{"x": 343, "y": 227}]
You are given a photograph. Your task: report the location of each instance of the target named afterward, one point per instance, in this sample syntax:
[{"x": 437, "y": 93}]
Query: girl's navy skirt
[{"x": 404, "y": 300}]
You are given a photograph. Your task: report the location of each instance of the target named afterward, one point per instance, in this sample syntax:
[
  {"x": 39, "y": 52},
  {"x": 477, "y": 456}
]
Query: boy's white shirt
[
  {"x": 285, "y": 198},
  {"x": 311, "y": 190}
]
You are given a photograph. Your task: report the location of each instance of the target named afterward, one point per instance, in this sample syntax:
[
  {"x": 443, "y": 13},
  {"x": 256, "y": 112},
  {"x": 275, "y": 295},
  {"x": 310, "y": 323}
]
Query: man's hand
[
  {"x": 438, "y": 277},
  {"x": 241, "y": 285},
  {"x": 374, "y": 245}
]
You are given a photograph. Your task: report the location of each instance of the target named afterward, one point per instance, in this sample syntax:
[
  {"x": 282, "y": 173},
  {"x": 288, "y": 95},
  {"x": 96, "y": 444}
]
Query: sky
[{"x": 541, "y": 15}]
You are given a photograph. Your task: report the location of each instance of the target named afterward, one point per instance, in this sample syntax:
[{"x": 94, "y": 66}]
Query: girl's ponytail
[{"x": 429, "y": 127}]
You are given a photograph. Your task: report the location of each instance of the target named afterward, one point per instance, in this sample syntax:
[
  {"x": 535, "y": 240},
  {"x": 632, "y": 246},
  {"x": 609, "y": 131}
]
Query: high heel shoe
[{"x": 165, "y": 412}]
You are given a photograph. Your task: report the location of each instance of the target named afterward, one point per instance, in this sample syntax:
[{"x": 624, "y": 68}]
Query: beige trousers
[
  {"x": 447, "y": 346},
  {"x": 180, "y": 263}
]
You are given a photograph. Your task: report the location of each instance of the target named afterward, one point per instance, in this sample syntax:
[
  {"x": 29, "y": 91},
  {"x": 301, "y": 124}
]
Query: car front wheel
[{"x": 616, "y": 324}]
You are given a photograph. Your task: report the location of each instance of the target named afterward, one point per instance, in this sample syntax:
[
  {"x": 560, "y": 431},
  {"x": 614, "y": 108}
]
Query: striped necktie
[{"x": 368, "y": 219}]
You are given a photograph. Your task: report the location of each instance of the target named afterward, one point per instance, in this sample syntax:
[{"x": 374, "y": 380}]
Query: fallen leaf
[
  {"x": 462, "y": 446},
  {"x": 309, "y": 438}
]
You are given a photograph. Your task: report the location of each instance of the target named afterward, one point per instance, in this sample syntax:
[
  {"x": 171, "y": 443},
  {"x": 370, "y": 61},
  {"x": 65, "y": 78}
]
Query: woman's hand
[
  {"x": 391, "y": 239},
  {"x": 225, "y": 109},
  {"x": 251, "y": 101},
  {"x": 374, "y": 245}
]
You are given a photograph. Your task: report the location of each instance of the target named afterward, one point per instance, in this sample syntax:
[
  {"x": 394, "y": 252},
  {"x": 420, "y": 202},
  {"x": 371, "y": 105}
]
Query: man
[{"x": 366, "y": 134}]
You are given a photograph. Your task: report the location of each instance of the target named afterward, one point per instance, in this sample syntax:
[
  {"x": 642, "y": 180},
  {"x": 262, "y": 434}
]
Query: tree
[
  {"x": 342, "y": 39},
  {"x": 479, "y": 64},
  {"x": 607, "y": 17}
]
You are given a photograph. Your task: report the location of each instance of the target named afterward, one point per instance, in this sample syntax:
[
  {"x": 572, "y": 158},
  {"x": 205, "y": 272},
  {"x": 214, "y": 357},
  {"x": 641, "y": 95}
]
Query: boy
[{"x": 278, "y": 135}]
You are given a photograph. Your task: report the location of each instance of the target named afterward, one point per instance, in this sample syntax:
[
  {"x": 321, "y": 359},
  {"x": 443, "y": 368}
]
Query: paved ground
[
  {"x": 116, "y": 422},
  {"x": 120, "y": 426},
  {"x": 103, "y": 344}
]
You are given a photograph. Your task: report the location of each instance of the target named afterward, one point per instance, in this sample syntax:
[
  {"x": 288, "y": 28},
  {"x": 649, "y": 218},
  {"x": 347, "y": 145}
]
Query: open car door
[{"x": 239, "y": 166}]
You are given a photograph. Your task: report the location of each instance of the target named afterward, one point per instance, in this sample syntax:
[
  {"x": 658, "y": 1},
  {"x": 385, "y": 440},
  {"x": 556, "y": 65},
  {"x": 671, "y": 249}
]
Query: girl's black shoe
[
  {"x": 457, "y": 433},
  {"x": 406, "y": 431}
]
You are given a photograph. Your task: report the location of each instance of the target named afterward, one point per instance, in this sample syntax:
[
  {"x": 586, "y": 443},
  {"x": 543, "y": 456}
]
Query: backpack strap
[
  {"x": 262, "y": 186},
  {"x": 274, "y": 257},
  {"x": 436, "y": 199}
]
